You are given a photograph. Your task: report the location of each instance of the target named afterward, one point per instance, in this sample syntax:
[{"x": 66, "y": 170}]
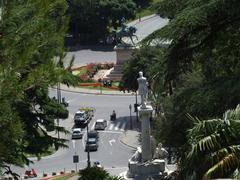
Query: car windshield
[
  {"x": 76, "y": 131},
  {"x": 92, "y": 134},
  {"x": 79, "y": 114},
  {"x": 91, "y": 141}
]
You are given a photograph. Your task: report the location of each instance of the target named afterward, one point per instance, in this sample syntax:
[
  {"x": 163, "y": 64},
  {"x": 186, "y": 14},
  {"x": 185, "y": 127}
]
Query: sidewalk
[
  {"x": 93, "y": 91},
  {"x": 131, "y": 138}
]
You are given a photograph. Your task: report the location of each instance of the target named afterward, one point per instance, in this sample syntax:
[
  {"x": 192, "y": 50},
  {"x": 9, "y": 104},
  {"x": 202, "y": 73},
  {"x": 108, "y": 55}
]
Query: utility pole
[
  {"x": 59, "y": 101},
  {"x": 88, "y": 152},
  {"x": 131, "y": 124},
  {"x": 136, "y": 106}
]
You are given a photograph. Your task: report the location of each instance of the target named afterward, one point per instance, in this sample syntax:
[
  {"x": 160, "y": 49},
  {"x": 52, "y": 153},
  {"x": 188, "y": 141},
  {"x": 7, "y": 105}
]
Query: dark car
[
  {"x": 80, "y": 117},
  {"x": 93, "y": 134},
  {"x": 91, "y": 144}
]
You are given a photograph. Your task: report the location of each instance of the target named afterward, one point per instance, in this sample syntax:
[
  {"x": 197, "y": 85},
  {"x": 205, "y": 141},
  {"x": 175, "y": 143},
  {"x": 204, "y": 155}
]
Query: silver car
[
  {"x": 100, "y": 124},
  {"x": 77, "y": 133}
]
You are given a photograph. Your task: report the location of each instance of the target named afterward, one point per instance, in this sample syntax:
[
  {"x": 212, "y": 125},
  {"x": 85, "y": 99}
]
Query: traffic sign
[{"x": 75, "y": 159}]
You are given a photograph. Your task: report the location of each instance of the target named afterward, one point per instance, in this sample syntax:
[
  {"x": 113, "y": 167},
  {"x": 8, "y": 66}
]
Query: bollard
[
  {"x": 54, "y": 173},
  {"x": 45, "y": 174}
]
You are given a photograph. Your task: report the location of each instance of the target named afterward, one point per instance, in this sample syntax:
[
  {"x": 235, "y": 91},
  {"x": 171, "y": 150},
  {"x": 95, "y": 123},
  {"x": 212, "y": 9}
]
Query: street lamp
[
  {"x": 136, "y": 107},
  {"x": 88, "y": 152},
  {"x": 130, "y": 108},
  {"x": 59, "y": 101}
]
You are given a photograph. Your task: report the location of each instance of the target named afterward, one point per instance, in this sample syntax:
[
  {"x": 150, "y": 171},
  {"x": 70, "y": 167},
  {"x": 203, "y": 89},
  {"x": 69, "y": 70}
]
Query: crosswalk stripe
[
  {"x": 116, "y": 127},
  {"x": 123, "y": 127},
  {"x": 111, "y": 126}
]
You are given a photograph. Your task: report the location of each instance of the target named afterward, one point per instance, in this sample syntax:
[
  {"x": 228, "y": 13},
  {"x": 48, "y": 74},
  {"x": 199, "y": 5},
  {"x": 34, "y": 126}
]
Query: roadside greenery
[
  {"x": 87, "y": 16},
  {"x": 196, "y": 75},
  {"x": 32, "y": 35},
  {"x": 96, "y": 173}
]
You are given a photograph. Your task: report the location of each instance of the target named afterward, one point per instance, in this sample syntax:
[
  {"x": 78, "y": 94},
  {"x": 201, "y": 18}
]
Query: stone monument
[
  {"x": 146, "y": 163},
  {"x": 125, "y": 45}
]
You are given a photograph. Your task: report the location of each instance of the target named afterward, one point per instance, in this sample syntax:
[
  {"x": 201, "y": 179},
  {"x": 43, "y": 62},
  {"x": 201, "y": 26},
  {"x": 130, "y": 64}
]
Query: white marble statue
[
  {"x": 137, "y": 156},
  {"x": 160, "y": 152},
  {"x": 142, "y": 89}
]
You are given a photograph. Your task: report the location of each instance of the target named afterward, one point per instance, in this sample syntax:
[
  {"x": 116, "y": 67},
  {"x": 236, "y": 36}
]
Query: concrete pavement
[{"x": 94, "y": 91}]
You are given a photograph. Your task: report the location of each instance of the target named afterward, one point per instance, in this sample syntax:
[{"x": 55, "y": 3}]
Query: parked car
[
  {"x": 91, "y": 144},
  {"x": 93, "y": 134},
  {"x": 77, "y": 133},
  {"x": 100, "y": 124}
]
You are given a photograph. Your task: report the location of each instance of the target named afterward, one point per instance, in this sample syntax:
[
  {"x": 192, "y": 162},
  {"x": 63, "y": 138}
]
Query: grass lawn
[
  {"x": 146, "y": 10},
  {"x": 80, "y": 71},
  {"x": 114, "y": 84}
]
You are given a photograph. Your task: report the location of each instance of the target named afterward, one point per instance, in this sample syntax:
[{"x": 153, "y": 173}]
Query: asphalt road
[
  {"x": 112, "y": 154},
  {"x": 96, "y": 54}
]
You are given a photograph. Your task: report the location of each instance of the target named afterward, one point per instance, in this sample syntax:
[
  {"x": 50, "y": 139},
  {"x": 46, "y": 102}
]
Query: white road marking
[
  {"x": 123, "y": 127},
  {"x": 114, "y": 132},
  {"x": 111, "y": 126},
  {"x": 116, "y": 127},
  {"x": 73, "y": 143},
  {"x": 112, "y": 141}
]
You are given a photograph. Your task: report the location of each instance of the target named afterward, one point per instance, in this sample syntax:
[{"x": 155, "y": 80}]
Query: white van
[{"x": 100, "y": 124}]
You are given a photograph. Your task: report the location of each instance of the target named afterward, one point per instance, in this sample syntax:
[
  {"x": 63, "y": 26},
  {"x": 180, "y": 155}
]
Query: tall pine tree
[{"x": 32, "y": 36}]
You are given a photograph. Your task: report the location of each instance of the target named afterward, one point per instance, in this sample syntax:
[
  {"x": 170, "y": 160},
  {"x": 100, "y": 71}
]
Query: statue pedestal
[
  {"x": 123, "y": 54},
  {"x": 144, "y": 114},
  {"x": 138, "y": 170}
]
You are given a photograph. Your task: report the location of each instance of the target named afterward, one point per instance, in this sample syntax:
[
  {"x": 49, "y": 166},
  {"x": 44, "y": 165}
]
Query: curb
[
  {"x": 125, "y": 143},
  {"x": 133, "y": 147},
  {"x": 95, "y": 93},
  {"x": 145, "y": 18}
]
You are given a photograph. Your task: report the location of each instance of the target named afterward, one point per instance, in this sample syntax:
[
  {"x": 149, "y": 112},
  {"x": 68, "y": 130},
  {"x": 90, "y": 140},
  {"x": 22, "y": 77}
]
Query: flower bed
[{"x": 86, "y": 73}]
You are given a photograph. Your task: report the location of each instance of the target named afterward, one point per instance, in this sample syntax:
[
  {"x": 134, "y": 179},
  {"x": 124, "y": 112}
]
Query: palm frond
[
  {"x": 232, "y": 114},
  {"x": 207, "y": 144},
  {"x": 219, "y": 154},
  {"x": 227, "y": 164},
  {"x": 204, "y": 128}
]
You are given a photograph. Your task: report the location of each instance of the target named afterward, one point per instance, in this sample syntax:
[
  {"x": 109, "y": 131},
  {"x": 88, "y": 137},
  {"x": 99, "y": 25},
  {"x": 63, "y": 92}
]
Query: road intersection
[{"x": 112, "y": 154}]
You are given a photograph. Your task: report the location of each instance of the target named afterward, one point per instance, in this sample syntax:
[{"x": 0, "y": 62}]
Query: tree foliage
[
  {"x": 88, "y": 15},
  {"x": 198, "y": 73},
  {"x": 32, "y": 37},
  {"x": 96, "y": 173},
  {"x": 215, "y": 151}
]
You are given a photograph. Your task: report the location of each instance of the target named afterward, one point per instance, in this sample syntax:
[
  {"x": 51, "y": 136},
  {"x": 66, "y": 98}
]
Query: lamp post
[
  {"x": 130, "y": 108},
  {"x": 59, "y": 101},
  {"x": 88, "y": 152},
  {"x": 136, "y": 106}
]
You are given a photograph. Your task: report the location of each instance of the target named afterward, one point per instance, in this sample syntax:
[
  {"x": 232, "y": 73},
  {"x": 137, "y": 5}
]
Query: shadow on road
[{"x": 104, "y": 48}]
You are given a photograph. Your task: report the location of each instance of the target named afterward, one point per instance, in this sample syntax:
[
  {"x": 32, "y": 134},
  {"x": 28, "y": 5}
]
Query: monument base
[
  {"x": 123, "y": 53},
  {"x": 154, "y": 168}
]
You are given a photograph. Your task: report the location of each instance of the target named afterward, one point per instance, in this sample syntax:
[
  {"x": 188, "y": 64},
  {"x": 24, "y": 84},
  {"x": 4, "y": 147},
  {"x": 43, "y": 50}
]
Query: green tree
[
  {"x": 215, "y": 150},
  {"x": 88, "y": 15},
  {"x": 198, "y": 45},
  {"x": 200, "y": 67},
  {"x": 32, "y": 38},
  {"x": 96, "y": 173}
]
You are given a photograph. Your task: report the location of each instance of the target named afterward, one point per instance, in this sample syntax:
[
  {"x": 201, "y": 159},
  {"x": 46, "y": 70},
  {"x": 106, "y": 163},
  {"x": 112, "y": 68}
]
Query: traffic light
[{"x": 136, "y": 107}]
